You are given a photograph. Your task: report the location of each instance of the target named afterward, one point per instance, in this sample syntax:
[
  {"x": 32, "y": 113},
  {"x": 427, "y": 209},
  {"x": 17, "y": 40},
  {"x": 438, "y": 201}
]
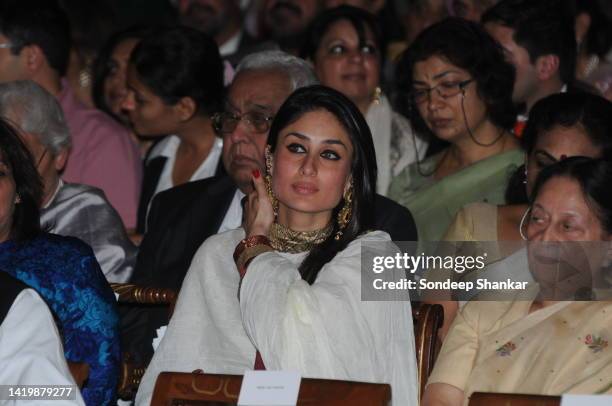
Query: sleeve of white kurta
[
  {"x": 325, "y": 330},
  {"x": 31, "y": 351},
  {"x": 205, "y": 331}
]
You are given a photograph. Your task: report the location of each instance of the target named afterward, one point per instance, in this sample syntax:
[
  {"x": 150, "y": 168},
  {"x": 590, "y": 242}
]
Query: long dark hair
[
  {"x": 363, "y": 167},
  {"x": 591, "y": 113},
  {"x": 594, "y": 177},
  {"x": 28, "y": 185}
]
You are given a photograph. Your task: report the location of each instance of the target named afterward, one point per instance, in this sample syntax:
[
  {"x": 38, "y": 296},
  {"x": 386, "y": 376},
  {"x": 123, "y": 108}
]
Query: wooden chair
[
  {"x": 427, "y": 321},
  {"x": 510, "y": 399},
  {"x": 130, "y": 293},
  {"x": 131, "y": 371},
  {"x": 173, "y": 388},
  {"x": 79, "y": 371}
]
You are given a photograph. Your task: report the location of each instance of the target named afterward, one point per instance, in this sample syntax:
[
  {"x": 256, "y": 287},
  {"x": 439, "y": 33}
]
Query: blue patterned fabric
[{"x": 64, "y": 271}]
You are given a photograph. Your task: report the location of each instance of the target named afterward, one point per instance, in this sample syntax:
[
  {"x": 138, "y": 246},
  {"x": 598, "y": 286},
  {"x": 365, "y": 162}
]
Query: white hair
[
  {"x": 299, "y": 72},
  {"x": 35, "y": 111}
]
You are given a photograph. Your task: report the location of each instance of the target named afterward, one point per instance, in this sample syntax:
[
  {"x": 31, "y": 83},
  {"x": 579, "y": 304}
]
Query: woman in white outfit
[{"x": 284, "y": 292}]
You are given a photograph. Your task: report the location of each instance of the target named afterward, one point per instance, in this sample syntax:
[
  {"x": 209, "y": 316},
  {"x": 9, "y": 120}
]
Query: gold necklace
[{"x": 286, "y": 240}]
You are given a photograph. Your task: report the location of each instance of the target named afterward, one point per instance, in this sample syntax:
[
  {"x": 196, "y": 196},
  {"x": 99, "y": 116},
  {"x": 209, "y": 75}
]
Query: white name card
[
  {"x": 269, "y": 388},
  {"x": 586, "y": 400}
]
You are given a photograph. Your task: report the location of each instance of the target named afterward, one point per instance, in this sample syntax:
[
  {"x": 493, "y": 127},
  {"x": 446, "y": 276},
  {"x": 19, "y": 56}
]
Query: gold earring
[
  {"x": 344, "y": 215},
  {"x": 377, "y": 95},
  {"x": 268, "y": 180}
]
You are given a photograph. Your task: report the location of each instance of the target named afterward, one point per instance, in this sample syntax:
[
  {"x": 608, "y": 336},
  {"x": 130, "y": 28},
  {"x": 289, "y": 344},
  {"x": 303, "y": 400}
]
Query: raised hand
[{"x": 259, "y": 213}]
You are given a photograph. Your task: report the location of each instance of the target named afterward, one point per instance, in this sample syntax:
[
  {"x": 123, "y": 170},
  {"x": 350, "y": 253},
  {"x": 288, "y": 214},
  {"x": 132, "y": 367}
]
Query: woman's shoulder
[
  {"x": 59, "y": 246},
  {"x": 373, "y": 236},
  {"x": 50, "y": 258},
  {"x": 413, "y": 178},
  {"x": 161, "y": 147},
  {"x": 220, "y": 244},
  {"x": 488, "y": 316},
  {"x": 376, "y": 239},
  {"x": 474, "y": 222}
]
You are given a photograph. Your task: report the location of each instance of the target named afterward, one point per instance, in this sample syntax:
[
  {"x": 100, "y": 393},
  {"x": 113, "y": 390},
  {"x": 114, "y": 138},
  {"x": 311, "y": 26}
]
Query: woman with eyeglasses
[
  {"x": 175, "y": 84},
  {"x": 346, "y": 49},
  {"x": 459, "y": 88}
]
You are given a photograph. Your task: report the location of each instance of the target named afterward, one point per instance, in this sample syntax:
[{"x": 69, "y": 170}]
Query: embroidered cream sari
[{"x": 501, "y": 347}]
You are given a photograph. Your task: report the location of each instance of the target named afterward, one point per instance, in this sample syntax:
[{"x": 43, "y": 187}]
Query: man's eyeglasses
[
  {"x": 226, "y": 122},
  {"x": 444, "y": 90}
]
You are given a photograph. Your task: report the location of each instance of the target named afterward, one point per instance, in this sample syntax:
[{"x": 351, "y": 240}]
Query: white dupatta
[{"x": 323, "y": 330}]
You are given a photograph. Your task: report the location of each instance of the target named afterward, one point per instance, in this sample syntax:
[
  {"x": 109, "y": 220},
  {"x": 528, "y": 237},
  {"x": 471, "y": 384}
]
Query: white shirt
[
  {"x": 231, "y": 45},
  {"x": 233, "y": 216},
  {"x": 168, "y": 147},
  {"x": 60, "y": 183},
  {"x": 31, "y": 350}
]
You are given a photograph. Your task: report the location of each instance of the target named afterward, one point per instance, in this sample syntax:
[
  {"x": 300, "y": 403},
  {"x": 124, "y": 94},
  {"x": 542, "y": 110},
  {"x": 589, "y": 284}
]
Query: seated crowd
[{"x": 243, "y": 157}]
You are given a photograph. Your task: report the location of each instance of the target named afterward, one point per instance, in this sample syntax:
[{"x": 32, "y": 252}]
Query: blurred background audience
[
  {"x": 68, "y": 209},
  {"x": 36, "y": 46}
]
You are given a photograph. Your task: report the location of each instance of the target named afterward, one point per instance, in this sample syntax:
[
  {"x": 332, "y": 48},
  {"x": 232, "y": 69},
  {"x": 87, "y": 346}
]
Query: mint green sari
[{"x": 435, "y": 203}]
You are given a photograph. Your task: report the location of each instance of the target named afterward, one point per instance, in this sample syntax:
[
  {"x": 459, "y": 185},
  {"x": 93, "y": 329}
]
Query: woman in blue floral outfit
[{"x": 64, "y": 271}]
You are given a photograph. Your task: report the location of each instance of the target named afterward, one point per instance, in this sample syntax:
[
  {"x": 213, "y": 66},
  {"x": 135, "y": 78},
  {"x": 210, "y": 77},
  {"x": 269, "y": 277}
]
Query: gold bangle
[
  {"x": 250, "y": 242},
  {"x": 250, "y": 253}
]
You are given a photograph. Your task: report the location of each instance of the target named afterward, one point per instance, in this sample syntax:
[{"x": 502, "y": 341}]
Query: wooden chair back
[
  {"x": 173, "y": 388},
  {"x": 427, "y": 321},
  {"x": 511, "y": 399},
  {"x": 130, "y": 293},
  {"x": 131, "y": 371}
]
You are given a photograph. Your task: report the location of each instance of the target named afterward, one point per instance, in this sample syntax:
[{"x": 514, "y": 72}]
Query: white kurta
[
  {"x": 323, "y": 330},
  {"x": 31, "y": 350}
]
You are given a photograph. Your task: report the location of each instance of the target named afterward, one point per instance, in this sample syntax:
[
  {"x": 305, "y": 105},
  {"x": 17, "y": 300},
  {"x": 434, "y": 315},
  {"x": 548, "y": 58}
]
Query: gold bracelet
[
  {"x": 250, "y": 253},
  {"x": 250, "y": 242}
]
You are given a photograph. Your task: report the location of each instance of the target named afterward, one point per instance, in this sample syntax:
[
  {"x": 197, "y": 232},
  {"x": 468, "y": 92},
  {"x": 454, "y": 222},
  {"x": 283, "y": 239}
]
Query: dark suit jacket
[
  {"x": 179, "y": 221},
  {"x": 395, "y": 219}
]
